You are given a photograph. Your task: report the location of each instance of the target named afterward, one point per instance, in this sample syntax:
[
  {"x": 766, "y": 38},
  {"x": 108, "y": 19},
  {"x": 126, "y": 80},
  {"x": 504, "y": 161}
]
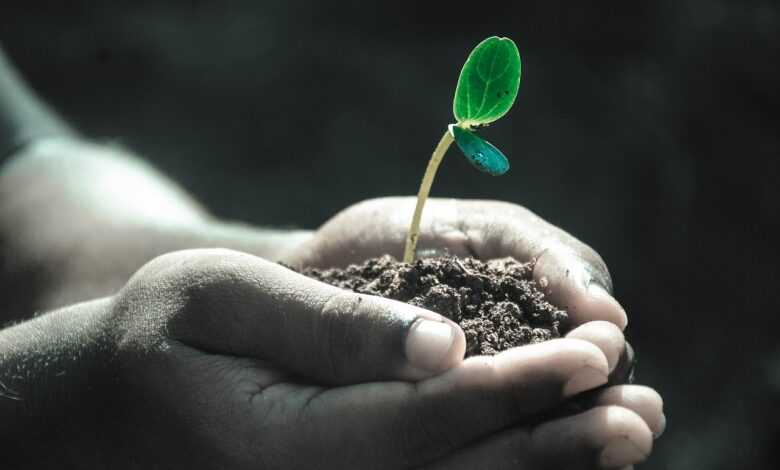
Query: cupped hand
[
  {"x": 572, "y": 274},
  {"x": 226, "y": 360}
]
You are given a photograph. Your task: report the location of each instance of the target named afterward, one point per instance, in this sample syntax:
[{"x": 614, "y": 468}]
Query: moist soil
[{"x": 497, "y": 303}]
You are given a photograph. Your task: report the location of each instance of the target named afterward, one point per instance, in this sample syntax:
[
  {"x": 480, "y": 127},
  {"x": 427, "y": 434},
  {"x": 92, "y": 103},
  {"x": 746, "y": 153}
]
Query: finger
[
  {"x": 644, "y": 401},
  {"x": 606, "y": 437},
  {"x": 609, "y": 339},
  {"x": 624, "y": 371},
  {"x": 245, "y": 306},
  {"x": 420, "y": 422},
  {"x": 497, "y": 229},
  {"x": 609, "y": 436},
  {"x": 23, "y": 116},
  {"x": 571, "y": 273},
  {"x": 569, "y": 282},
  {"x": 606, "y": 336}
]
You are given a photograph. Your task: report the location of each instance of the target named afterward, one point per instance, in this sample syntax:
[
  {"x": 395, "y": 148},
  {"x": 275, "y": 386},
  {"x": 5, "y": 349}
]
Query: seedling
[{"x": 487, "y": 88}]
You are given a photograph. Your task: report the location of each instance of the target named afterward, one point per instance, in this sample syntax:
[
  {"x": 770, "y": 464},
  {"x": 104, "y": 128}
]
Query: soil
[{"x": 497, "y": 303}]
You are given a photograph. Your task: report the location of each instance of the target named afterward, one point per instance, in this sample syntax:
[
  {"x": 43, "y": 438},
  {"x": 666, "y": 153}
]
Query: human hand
[
  {"x": 572, "y": 274},
  {"x": 229, "y": 361}
]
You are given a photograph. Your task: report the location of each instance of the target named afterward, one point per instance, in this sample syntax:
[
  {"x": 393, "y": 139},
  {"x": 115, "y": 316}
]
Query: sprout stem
[{"x": 422, "y": 195}]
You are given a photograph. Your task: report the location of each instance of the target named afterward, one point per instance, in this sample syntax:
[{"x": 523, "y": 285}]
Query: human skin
[{"x": 164, "y": 351}]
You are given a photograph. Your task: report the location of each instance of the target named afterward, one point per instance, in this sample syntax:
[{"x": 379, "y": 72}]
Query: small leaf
[
  {"x": 488, "y": 82},
  {"x": 479, "y": 152}
]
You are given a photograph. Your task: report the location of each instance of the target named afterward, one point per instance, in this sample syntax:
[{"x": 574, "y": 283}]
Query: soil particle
[{"x": 497, "y": 303}]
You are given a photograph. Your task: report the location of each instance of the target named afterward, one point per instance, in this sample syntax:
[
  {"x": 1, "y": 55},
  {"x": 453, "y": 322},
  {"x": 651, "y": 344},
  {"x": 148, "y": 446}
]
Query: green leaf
[
  {"x": 488, "y": 83},
  {"x": 479, "y": 152}
]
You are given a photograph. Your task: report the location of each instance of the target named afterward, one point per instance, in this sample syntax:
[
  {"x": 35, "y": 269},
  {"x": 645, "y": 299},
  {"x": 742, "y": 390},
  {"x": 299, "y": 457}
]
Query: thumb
[{"x": 261, "y": 309}]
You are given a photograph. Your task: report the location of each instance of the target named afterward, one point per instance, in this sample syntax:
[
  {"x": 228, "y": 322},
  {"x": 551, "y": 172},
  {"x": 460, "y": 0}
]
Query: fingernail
[
  {"x": 619, "y": 453},
  {"x": 429, "y": 343},
  {"x": 599, "y": 294},
  {"x": 586, "y": 379},
  {"x": 661, "y": 427}
]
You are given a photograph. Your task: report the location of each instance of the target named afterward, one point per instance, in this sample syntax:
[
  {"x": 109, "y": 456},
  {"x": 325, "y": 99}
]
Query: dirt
[{"x": 497, "y": 303}]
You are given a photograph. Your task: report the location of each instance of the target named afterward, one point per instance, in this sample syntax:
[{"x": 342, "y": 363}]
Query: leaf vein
[{"x": 487, "y": 84}]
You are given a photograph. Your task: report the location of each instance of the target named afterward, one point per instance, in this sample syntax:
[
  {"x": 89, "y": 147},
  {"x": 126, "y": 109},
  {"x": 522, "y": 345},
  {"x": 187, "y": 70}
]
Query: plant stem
[{"x": 422, "y": 194}]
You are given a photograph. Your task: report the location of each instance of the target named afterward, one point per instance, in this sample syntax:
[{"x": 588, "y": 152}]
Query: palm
[{"x": 352, "y": 426}]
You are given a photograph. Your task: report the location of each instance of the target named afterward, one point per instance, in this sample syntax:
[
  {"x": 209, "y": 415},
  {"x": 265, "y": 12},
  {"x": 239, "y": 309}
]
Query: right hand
[{"x": 226, "y": 360}]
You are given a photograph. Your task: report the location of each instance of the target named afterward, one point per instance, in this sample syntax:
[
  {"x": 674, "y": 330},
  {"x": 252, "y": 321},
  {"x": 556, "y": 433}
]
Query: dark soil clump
[{"x": 497, "y": 303}]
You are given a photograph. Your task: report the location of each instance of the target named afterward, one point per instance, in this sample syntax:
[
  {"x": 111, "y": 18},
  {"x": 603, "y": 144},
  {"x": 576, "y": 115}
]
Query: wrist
[{"x": 56, "y": 371}]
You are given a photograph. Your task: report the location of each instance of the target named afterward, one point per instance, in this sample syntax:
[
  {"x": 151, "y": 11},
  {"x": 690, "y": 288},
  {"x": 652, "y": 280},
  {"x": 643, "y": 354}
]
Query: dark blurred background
[{"x": 647, "y": 129}]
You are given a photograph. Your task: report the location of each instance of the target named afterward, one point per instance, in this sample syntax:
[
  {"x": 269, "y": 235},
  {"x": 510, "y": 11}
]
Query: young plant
[{"x": 487, "y": 88}]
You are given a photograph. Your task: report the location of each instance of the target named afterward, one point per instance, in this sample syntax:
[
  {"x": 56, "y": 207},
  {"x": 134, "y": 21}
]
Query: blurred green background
[{"x": 647, "y": 129}]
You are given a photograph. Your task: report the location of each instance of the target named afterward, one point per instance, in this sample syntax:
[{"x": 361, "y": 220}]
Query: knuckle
[
  {"x": 583, "y": 352},
  {"x": 572, "y": 260},
  {"x": 379, "y": 206},
  {"x": 506, "y": 208},
  {"x": 366, "y": 205},
  {"x": 168, "y": 292},
  {"x": 586, "y": 257},
  {"x": 621, "y": 420}
]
